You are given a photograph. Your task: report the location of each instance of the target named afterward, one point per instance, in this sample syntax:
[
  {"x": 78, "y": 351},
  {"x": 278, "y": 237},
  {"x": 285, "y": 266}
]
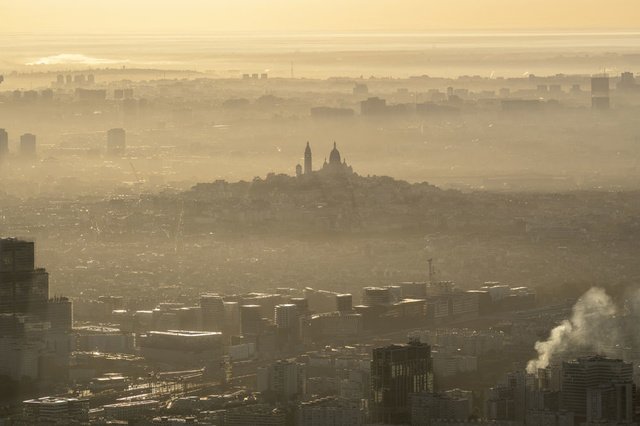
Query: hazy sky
[{"x": 189, "y": 16}]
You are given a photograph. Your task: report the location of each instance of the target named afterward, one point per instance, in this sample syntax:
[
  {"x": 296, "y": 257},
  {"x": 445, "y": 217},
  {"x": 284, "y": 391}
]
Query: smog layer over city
[{"x": 290, "y": 213}]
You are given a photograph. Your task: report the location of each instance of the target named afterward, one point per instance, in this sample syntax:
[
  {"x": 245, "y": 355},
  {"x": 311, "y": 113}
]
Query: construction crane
[{"x": 135, "y": 173}]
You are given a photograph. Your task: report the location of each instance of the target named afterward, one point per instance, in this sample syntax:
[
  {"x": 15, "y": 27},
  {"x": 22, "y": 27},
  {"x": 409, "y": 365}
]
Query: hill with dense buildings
[
  {"x": 357, "y": 205},
  {"x": 334, "y": 231}
]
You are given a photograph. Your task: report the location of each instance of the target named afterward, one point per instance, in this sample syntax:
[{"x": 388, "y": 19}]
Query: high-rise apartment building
[
  {"x": 28, "y": 145},
  {"x": 4, "y": 143},
  {"x": 24, "y": 289},
  {"x": 397, "y": 371},
  {"x": 34, "y": 330},
  {"x": 213, "y": 312},
  {"x": 282, "y": 381},
  {"x": 582, "y": 374},
  {"x": 600, "y": 92},
  {"x": 250, "y": 320},
  {"x": 611, "y": 403}
]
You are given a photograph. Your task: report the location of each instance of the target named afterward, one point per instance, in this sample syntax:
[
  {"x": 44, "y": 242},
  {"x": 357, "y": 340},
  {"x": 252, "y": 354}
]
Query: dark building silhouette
[
  {"x": 30, "y": 95},
  {"x": 526, "y": 105},
  {"x": 212, "y": 308},
  {"x": 331, "y": 112},
  {"x": 334, "y": 155},
  {"x": 308, "y": 165},
  {"x": 344, "y": 302},
  {"x": 397, "y": 371},
  {"x": 360, "y": 89},
  {"x": 611, "y": 404},
  {"x": 91, "y": 95},
  {"x": 627, "y": 81},
  {"x": 282, "y": 381},
  {"x": 600, "y": 92},
  {"x": 302, "y": 304},
  {"x": 28, "y": 145},
  {"x": 250, "y": 320},
  {"x": 60, "y": 314},
  {"x": 373, "y": 106},
  {"x": 23, "y": 288},
  {"x": 287, "y": 321},
  {"x": 46, "y": 95},
  {"x": 34, "y": 329},
  {"x": 336, "y": 164},
  {"x": 427, "y": 406},
  {"x": 116, "y": 142},
  {"x": 582, "y": 374},
  {"x": 4, "y": 143}
]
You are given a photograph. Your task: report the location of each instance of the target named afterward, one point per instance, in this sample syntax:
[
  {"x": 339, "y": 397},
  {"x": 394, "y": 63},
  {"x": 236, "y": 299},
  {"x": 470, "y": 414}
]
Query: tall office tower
[
  {"x": 213, "y": 313},
  {"x": 28, "y": 145},
  {"x": 4, "y": 143},
  {"x": 308, "y": 165},
  {"x": 582, "y": 374},
  {"x": 250, "y": 319},
  {"x": 282, "y": 381},
  {"x": 34, "y": 330},
  {"x": 286, "y": 315},
  {"x": 521, "y": 386},
  {"x": 60, "y": 314},
  {"x": 500, "y": 403},
  {"x": 600, "y": 92},
  {"x": 232, "y": 318},
  {"x": 116, "y": 142},
  {"x": 397, "y": 371},
  {"x": 302, "y": 303},
  {"x": 610, "y": 404},
  {"x": 287, "y": 320},
  {"x": 23, "y": 288},
  {"x": 344, "y": 302}
]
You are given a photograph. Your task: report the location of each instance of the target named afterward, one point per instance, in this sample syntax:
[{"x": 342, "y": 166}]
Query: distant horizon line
[{"x": 371, "y": 32}]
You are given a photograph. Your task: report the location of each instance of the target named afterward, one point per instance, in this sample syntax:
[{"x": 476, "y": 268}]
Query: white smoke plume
[{"x": 593, "y": 326}]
